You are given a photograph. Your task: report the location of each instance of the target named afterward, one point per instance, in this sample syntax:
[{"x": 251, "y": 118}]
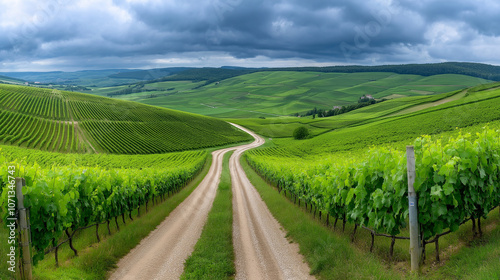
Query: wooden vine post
[
  {"x": 24, "y": 229},
  {"x": 415, "y": 247}
]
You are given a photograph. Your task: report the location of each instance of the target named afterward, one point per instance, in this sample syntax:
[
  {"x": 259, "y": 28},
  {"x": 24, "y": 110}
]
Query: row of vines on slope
[
  {"x": 72, "y": 197},
  {"x": 105, "y": 161},
  {"x": 70, "y": 122},
  {"x": 34, "y": 132},
  {"x": 455, "y": 182},
  {"x": 44, "y": 103}
]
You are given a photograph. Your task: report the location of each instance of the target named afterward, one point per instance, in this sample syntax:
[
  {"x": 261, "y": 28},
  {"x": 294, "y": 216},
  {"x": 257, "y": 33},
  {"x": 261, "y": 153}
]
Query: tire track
[
  {"x": 162, "y": 253},
  {"x": 261, "y": 248}
]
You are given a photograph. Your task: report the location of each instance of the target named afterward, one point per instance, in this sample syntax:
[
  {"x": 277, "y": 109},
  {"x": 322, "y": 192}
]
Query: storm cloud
[{"x": 95, "y": 34}]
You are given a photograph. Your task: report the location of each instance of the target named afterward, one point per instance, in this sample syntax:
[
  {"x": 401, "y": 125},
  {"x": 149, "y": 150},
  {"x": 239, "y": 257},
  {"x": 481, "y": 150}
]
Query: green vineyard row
[
  {"x": 454, "y": 181},
  {"x": 71, "y": 122},
  {"x": 105, "y": 161},
  {"x": 73, "y": 197},
  {"x": 148, "y": 138},
  {"x": 36, "y": 102},
  {"x": 33, "y": 132}
]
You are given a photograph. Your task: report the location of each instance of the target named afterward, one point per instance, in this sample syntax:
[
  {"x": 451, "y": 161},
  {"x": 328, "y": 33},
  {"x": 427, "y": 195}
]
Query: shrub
[{"x": 300, "y": 133}]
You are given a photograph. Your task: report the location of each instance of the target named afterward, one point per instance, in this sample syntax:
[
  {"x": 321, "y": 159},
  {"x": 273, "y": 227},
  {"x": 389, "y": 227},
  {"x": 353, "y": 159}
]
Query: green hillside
[
  {"x": 479, "y": 70},
  {"x": 281, "y": 93},
  {"x": 283, "y": 126},
  {"x": 100, "y": 78},
  {"x": 385, "y": 122},
  {"x": 9, "y": 80},
  {"x": 356, "y": 173},
  {"x": 61, "y": 121}
]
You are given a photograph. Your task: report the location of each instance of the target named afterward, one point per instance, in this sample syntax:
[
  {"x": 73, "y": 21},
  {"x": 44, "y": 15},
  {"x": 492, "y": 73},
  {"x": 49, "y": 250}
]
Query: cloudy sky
[{"x": 46, "y": 35}]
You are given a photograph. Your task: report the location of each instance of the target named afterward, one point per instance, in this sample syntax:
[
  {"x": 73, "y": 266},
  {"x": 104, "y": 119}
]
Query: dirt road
[
  {"x": 162, "y": 253},
  {"x": 261, "y": 248}
]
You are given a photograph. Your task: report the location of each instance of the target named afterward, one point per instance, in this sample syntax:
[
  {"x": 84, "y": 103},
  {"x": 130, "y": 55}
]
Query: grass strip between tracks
[
  {"x": 213, "y": 255},
  {"x": 97, "y": 259}
]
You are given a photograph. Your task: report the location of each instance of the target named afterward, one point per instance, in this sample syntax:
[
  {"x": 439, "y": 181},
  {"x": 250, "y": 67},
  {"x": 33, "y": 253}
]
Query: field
[
  {"x": 9, "y": 80},
  {"x": 89, "y": 160},
  {"x": 281, "y": 93},
  {"x": 80, "y": 78},
  {"x": 60, "y": 121},
  {"x": 353, "y": 172}
]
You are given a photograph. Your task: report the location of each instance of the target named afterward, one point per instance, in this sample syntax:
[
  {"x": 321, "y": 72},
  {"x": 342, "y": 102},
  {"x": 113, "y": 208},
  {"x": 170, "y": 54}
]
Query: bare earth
[{"x": 261, "y": 249}]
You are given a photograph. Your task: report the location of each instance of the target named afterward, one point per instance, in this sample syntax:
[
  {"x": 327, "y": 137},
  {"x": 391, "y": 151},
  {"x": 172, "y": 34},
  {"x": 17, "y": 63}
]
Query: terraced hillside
[{"x": 61, "y": 121}]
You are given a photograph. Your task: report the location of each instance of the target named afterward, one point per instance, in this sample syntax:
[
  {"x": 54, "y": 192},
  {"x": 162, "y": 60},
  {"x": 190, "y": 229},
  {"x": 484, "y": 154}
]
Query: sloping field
[
  {"x": 278, "y": 93},
  {"x": 60, "y": 121}
]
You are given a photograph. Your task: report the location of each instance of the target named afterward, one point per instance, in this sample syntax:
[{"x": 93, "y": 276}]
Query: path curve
[
  {"x": 262, "y": 250},
  {"x": 162, "y": 253}
]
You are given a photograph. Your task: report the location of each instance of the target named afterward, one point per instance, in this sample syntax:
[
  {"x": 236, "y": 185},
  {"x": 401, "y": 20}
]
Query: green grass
[
  {"x": 329, "y": 255},
  {"x": 67, "y": 80},
  {"x": 278, "y": 93},
  {"x": 97, "y": 259},
  {"x": 163, "y": 89},
  {"x": 9, "y": 80},
  {"x": 213, "y": 255},
  {"x": 284, "y": 126},
  {"x": 104, "y": 91},
  {"x": 468, "y": 111},
  {"x": 480, "y": 259}
]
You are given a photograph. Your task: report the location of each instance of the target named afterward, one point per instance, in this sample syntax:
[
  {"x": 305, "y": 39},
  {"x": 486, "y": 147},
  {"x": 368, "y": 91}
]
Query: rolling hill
[
  {"x": 9, "y": 80},
  {"x": 60, "y": 121},
  {"x": 391, "y": 122},
  {"x": 478, "y": 70},
  {"x": 281, "y": 93},
  {"x": 85, "y": 77}
]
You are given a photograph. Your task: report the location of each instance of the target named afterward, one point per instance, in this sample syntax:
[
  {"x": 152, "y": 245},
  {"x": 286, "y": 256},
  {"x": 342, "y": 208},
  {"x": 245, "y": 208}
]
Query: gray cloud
[{"x": 63, "y": 34}]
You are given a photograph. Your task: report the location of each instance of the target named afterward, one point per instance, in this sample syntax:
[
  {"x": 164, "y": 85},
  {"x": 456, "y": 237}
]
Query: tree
[{"x": 301, "y": 133}]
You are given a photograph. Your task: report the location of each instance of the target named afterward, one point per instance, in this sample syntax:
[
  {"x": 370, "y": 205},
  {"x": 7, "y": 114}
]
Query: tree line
[{"x": 363, "y": 101}]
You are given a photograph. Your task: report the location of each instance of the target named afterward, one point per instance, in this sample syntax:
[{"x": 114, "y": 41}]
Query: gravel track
[
  {"x": 261, "y": 249},
  {"x": 162, "y": 253}
]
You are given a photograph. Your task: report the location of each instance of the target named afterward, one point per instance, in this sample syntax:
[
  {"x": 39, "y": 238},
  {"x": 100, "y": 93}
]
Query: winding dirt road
[{"x": 261, "y": 249}]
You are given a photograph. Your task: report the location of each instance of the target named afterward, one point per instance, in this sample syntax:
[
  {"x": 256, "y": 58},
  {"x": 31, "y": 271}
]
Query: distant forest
[{"x": 485, "y": 71}]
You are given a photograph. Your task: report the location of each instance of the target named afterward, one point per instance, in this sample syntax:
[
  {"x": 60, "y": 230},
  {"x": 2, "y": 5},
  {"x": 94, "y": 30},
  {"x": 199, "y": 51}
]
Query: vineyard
[
  {"x": 63, "y": 200},
  {"x": 455, "y": 182},
  {"x": 283, "y": 93},
  {"x": 339, "y": 176},
  {"x": 91, "y": 160},
  {"x": 69, "y": 122},
  {"x": 105, "y": 161},
  {"x": 476, "y": 108}
]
